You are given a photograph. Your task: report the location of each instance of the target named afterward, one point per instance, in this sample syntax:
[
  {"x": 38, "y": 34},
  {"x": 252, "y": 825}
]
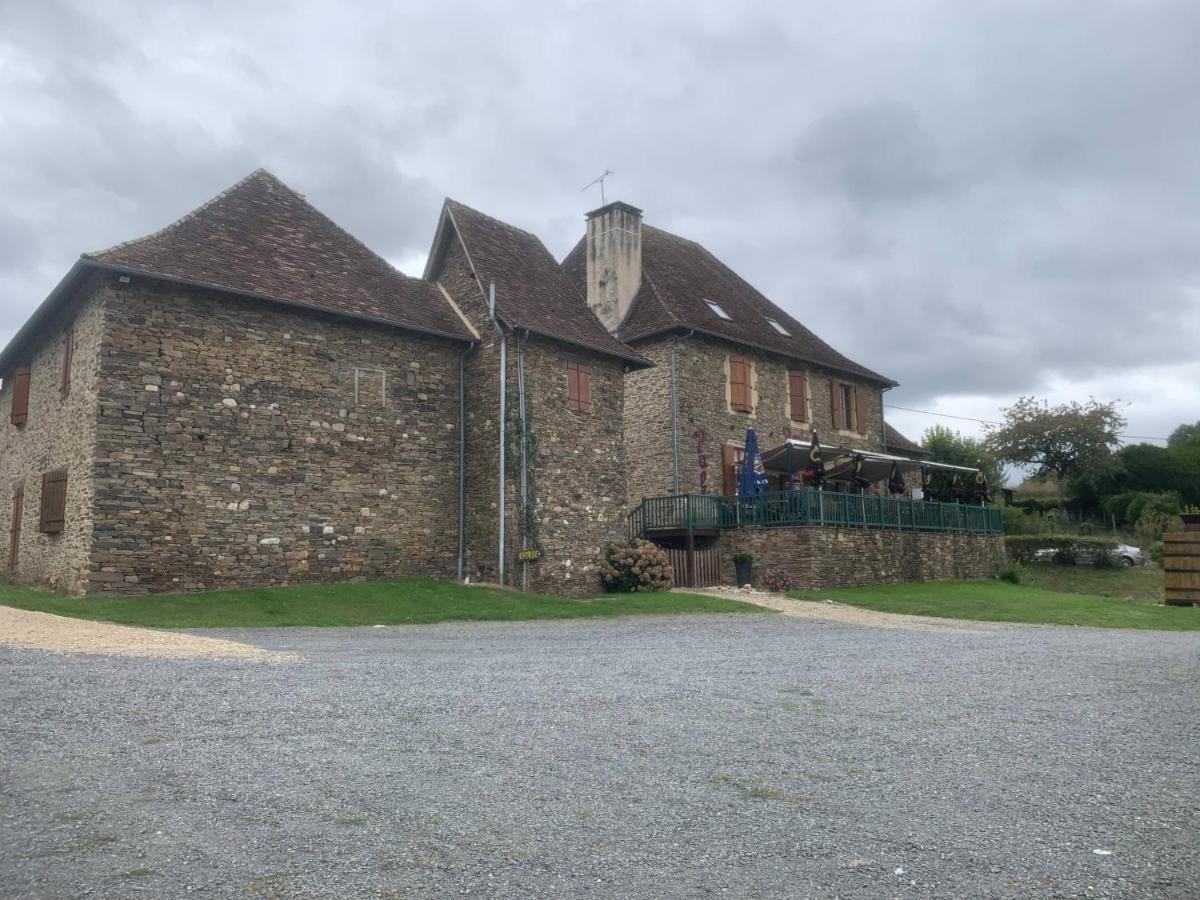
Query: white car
[{"x": 1125, "y": 554}]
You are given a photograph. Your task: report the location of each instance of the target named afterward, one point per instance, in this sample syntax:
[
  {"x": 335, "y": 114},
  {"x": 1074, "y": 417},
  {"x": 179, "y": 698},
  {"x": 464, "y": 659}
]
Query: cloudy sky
[{"x": 981, "y": 200}]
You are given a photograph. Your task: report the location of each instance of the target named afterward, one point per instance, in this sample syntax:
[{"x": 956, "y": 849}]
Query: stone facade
[
  {"x": 818, "y": 556},
  {"x": 60, "y": 433},
  {"x": 243, "y": 443},
  {"x": 706, "y": 422}
]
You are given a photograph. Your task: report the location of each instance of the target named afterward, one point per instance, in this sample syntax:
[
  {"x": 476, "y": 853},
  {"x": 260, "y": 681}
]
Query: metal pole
[
  {"x": 462, "y": 461},
  {"x": 503, "y": 415},
  {"x": 524, "y": 458},
  {"x": 674, "y": 420}
]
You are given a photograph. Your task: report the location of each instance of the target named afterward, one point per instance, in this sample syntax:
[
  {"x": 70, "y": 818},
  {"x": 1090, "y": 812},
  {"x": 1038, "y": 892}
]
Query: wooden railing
[{"x": 705, "y": 512}]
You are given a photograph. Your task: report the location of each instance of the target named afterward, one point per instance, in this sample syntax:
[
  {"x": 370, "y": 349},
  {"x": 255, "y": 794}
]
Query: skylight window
[
  {"x": 717, "y": 311},
  {"x": 778, "y": 327}
]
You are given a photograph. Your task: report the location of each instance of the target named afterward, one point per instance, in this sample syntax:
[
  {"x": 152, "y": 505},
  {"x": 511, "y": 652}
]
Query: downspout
[
  {"x": 524, "y": 456},
  {"x": 462, "y": 459},
  {"x": 503, "y": 414},
  {"x": 675, "y": 415}
]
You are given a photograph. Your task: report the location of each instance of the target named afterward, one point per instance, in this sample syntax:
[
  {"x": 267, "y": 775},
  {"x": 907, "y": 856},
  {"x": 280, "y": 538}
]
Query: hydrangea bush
[
  {"x": 777, "y": 580},
  {"x": 636, "y": 565}
]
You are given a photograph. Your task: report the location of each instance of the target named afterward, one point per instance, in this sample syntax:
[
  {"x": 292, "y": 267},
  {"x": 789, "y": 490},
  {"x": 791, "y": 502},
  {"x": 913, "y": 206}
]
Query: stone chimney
[{"x": 614, "y": 261}]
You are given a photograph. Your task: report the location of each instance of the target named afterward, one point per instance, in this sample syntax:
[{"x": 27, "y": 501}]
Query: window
[
  {"x": 579, "y": 387},
  {"x": 849, "y": 409},
  {"x": 798, "y": 396},
  {"x": 732, "y": 457},
  {"x": 68, "y": 358},
  {"x": 741, "y": 375},
  {"x": 717, "y": 311},
  {"x": 20, "y": 397},
  {"x": 778, "y": 327},
  {"x": 54, "y": 501}
]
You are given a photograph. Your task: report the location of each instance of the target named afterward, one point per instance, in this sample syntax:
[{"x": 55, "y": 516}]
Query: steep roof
[
  {"x": 678, "y": 275},
  {"x": 263, "y": 239},
  {"x": 532, "y": 291},
  {"x": 894, "y": 440}
]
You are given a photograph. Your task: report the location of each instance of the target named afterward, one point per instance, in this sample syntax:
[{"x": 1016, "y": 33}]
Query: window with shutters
[
  {"x": 797, "y": 396},
  {"x": 579, "y": 387},
  {"x": 849, "y": 408},
  {"x": 68, "y": 358},
  {"x": 732, "y": 458},
  {"x": 54, "y": 501},
  {"x": 20, "y": 397},
  {"x": 741, "y": 384}
]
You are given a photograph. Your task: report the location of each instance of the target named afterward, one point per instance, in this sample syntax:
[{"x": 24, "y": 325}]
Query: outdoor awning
[{"x": 792, "y": 457}]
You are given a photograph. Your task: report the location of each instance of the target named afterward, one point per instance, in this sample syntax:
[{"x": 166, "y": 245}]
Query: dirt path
[
  {"x": 829, "y": 611},
  {"x": 59, "y": 634}
]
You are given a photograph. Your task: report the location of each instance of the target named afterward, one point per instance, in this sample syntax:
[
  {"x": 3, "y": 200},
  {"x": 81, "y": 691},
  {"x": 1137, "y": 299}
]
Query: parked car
[{"x": 1125, "y": 554}]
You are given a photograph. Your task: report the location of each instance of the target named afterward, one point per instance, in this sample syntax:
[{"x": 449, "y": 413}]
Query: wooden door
[{"x": 14, "y": 532}]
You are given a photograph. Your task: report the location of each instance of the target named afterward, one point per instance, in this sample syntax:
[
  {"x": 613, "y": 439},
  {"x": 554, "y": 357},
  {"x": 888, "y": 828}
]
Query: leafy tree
[
  {"x": 1060, "y": 441},
  {"x": 950, "y": 446},
  {"x": 1185, "y": 436}
]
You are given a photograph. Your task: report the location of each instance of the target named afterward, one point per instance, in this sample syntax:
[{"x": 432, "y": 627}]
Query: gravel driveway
[{"x": 741, "y": 756}]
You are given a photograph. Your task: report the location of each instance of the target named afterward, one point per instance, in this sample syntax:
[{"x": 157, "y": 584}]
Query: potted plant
[{"x": 742, "y": 563}]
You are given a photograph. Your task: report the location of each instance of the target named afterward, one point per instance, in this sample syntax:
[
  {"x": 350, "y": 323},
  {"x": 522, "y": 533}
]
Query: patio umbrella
[
  {"x": 895, "y": 481},
  {"x": 983, "y": 493},
  {"x": 753, "y": 479},
  {"x": 814, "y": 475}
]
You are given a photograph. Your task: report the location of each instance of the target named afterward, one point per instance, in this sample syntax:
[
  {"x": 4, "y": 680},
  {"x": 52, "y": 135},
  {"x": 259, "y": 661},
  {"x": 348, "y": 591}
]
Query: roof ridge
[{"x": 507, "y": 225}]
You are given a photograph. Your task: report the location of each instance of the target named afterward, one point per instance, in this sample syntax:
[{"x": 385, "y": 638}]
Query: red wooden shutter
[
  {"x": 572, "y": 386},
  {"x": 54, "y": 501},
  {"x": 797, "y": 397},
  {"x": 739, "y": 384},
  {"x": 860, "y": 412},
  {"x": 728, "y": 470},
  {"x": 839, "y": 404},
  {"x": 584, "y": 380},
  {"x": 68, "y": 358},
  {"x": 20, "y": 398}
]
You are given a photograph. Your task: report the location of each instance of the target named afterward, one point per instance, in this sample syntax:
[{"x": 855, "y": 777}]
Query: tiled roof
[
  {"x": 894, "y": 440},
  {"x": 678, "y": 275},
  {"x": 262, "y": 238},
  {"x": 531, "y": 290}
]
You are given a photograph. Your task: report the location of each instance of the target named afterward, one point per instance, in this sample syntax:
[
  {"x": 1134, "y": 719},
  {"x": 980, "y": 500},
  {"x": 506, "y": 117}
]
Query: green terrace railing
[{"x": 706, "y": 512}]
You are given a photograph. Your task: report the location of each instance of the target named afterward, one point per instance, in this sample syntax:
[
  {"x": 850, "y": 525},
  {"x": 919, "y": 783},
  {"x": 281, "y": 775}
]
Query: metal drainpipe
[
  {"x": 675, "y": 414},
  {"x": 503, "y": 414},
  {"x": 462, "y": 460},
  {"x": 524, "y": 460}
]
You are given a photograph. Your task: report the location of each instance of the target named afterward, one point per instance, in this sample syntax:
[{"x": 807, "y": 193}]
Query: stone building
[{"x": 251, "y": 396}]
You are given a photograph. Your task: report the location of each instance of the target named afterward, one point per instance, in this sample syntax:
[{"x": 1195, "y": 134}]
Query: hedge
[{"x": 1024, "y": 547}]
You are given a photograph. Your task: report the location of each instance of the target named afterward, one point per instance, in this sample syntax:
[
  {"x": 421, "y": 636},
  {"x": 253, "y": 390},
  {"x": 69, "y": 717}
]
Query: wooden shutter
[
  {"x": 860, "y": 412},
  {"x": 14, "y": 532},
  {"x": 797, "y": 397},
  {"x": 739, "y": 384},
  {"x": 839, "y": 404},
  {"x": 20, "y": 397},
  {"x": 68, "y": 358},
  {"x": 54, "y": 501},
  {"x": 728, "y": 470},
  {"x": 572, "y": 386},
  {"x": 585, "y": 388}
]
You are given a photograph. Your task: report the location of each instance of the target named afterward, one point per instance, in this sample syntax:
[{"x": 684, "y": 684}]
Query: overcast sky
[{"x": 980, "y": 200}]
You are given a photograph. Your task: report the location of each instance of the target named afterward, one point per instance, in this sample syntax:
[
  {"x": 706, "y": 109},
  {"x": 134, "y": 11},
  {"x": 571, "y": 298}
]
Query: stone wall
[
  {"x": 60, "y": 433},
  {"x": 243, "y": 443},
  {"x": 706, "y": 422},
  {"x": 819, "y": 556}
]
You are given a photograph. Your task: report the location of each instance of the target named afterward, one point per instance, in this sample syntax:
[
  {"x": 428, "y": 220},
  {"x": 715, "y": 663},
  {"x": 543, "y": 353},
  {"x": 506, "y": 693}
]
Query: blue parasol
[{"x": 753, "y": 480}]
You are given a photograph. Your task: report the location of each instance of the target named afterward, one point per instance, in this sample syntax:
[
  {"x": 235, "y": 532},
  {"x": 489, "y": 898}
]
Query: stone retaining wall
[{"x": 819, "y": 556}]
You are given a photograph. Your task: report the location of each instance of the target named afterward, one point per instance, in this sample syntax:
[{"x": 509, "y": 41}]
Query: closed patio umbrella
[{"x": 753, "y": 478}]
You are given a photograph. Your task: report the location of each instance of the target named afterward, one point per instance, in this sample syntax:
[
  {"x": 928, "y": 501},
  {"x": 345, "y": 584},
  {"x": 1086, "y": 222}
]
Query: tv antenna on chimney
[{"x": 599, "y": 181}]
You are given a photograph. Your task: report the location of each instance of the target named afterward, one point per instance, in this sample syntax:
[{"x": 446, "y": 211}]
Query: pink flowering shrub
[
  {"x": 777, "y": 580},
  {"x": 636, "y": 565}
]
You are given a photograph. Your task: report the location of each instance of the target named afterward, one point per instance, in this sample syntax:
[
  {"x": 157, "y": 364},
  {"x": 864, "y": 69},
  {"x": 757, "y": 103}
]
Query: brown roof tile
[
  {"x": 894, "y": 440},
  {"x": 531, "y": 290},
  {"x": 262, "y": 238},
  {"x": 678, "y": 275}
]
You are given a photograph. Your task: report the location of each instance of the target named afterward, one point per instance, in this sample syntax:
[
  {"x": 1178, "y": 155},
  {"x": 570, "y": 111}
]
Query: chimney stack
[{"x": 614, "y": 261}]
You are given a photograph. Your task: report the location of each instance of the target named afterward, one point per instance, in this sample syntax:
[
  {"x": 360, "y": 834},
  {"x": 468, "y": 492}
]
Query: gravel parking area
[{"x": 740, "y": 756}]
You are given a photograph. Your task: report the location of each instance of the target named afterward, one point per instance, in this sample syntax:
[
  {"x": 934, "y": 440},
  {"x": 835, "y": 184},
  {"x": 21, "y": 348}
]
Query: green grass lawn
[
  {"x": 404, "y": 601},
  {"x": 1143, "y": 583},
  {"x": 999, "y": 601}
]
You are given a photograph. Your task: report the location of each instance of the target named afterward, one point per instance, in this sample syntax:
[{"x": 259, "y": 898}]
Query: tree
[
  {"x": 1060, "y": 441},
  {"x": 1185, "y": 436},
  {"x": 950, "y": 446}
]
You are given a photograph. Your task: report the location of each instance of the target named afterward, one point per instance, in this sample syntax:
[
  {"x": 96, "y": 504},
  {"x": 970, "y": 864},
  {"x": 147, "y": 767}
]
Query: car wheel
[{"x": 1126, "y": 561}]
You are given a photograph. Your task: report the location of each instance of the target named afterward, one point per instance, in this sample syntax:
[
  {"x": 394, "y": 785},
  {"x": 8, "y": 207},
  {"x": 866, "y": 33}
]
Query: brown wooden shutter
[
  {"x": 54, "y": 501},
  {"x": 68, "y": 358},
  {"x": 797, "y": 397},
  {"x": 585, "y": 388},
  {"x": 739, "y": 384},
  {"x": 728, "y": 470},
  {"x": 860, "y": 412},
  {"x": 572, "y": 385},
  {"x": 20, "y": 397},
  {"x": 839, "y": 404}
]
